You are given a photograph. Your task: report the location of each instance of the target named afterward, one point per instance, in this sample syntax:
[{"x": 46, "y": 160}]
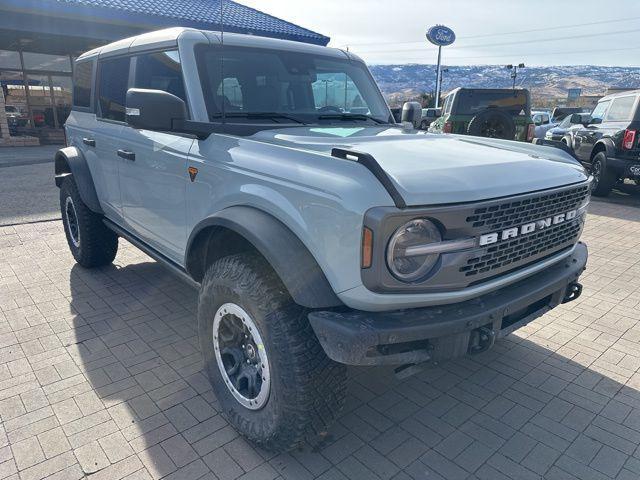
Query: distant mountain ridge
[{"x": 552, "y": 81}]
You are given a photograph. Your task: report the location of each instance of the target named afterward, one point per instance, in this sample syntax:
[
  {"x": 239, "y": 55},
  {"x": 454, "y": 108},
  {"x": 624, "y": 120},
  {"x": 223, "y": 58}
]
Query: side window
[
  {"x": 598, "y": 112},
  {"x": 112, "y": 88},
  {"x": 160, "y": 71},
  {"x": 82, "y": 77},
  {"x": 545, "y": 119},
  {"x": 621, "y": 109}
]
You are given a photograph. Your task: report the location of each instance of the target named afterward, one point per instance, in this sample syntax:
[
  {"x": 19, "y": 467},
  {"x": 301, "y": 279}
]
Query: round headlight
[{"x": 412, "y": 234}]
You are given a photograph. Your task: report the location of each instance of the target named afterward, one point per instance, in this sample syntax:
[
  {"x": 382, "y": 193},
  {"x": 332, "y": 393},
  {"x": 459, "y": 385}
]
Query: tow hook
[
  {"x": 481, "y": 339},
  {"x": 573, "y": 291}
]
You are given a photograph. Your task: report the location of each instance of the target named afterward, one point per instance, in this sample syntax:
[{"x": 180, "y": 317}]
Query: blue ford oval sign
[{"x": 441, "y": 35}]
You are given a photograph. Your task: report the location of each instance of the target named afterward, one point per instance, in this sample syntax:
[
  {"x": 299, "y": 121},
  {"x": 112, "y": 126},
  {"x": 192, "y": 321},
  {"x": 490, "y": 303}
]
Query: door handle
[
  {"x": 127, "y": 155},
  {"x": 89, "y": 141}
]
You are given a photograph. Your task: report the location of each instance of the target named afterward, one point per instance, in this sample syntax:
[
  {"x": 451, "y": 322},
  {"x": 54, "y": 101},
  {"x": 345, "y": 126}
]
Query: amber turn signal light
[{"x": 367, "y": 247}]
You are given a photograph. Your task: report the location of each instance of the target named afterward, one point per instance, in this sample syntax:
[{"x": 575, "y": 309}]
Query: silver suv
[{"x": 270, "y": 174}]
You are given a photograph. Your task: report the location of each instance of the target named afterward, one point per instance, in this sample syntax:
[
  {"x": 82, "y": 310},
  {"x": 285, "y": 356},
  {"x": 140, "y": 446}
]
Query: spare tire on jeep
[{"x": 492, "y": 123}]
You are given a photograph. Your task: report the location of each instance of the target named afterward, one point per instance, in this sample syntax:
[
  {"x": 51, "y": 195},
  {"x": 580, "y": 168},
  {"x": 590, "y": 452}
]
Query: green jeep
[{"x": 487, "y": 112}]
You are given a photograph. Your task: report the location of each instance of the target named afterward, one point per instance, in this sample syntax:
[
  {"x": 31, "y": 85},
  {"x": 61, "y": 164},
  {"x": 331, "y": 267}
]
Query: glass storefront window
[
  {"x": 43, "y": 61},
  {"x": 12, "y": 84},
  {"x": 9, "y": 59},
  {"x": 62, "y": 93},
  {"x": 40, "y": 101}
]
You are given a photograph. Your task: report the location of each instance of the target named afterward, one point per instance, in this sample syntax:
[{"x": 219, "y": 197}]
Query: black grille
[
  {"x": 519, "y": 212},
  {"x": 518, "y": 250}
]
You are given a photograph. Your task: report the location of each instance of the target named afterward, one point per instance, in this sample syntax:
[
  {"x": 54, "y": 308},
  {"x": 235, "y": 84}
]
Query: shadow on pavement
[{"x": 521, "y": 410}]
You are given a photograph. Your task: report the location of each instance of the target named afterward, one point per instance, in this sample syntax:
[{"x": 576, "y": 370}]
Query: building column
[{"x": 4, "y": 126}]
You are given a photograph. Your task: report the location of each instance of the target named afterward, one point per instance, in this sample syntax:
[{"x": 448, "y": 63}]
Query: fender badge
[{"x": 193, "y": 171}]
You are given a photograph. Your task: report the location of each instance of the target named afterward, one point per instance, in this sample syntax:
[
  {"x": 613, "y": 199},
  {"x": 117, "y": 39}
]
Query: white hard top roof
[{"x": 169, "y": 38}]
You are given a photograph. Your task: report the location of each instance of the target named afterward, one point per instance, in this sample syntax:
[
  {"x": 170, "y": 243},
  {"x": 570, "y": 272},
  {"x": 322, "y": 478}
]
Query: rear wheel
[
  {"x": 603, "y": 178},
  {"x": 91, "y": 243},
  {"x": 267, "y": 368}
]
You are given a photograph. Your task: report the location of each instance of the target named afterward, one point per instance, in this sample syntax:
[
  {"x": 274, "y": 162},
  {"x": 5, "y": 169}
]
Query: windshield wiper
[
  {"x": 267, "y": 115},
  {"x": 350, "y": 116}
]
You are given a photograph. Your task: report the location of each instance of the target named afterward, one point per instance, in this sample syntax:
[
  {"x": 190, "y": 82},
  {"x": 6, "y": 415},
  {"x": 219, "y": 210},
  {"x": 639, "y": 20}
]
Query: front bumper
[{"x": 437, "y": 333}]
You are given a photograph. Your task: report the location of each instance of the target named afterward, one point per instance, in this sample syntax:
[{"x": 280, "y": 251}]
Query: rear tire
[
  {"x": 277, "y": 386},
  {"x": 603, "y": 178},
  {"x": 91, "y": 243},
  {"x": 492, "y": 123}
]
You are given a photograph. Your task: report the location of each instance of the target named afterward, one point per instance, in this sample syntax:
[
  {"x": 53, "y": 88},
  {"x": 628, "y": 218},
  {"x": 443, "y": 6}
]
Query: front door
[
  {"x": 586, "y": 137},
  {"x": 153, "y": 165},
  {"x": 112, "y": 83}
]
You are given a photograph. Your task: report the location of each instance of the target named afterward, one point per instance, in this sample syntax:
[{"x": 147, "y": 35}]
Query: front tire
[
  {"x": 603, "y": 178},
  {"x": 91, "y": 243},
  {"x": 266, "y": 366}
]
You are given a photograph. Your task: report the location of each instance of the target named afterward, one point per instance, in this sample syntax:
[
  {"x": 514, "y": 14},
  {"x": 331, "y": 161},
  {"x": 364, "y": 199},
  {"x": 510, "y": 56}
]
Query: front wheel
[
  {"x": 266, "y": 366},
  {"x": 603, "y": 178}
]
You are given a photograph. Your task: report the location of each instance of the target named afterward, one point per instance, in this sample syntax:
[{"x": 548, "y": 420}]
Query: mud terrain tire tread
[
  {"x": 98, "y": 244},
  {"x": 307, "y": 388}
]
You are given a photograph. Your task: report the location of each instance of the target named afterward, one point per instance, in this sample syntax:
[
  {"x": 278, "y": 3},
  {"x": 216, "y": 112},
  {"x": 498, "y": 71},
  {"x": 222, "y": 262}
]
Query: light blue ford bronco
[{"x": 271, "y": 175}]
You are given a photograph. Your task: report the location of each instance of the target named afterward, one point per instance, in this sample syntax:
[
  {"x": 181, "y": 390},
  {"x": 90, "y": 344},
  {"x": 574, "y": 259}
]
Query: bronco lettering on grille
[{"x": 494, "y": 237}]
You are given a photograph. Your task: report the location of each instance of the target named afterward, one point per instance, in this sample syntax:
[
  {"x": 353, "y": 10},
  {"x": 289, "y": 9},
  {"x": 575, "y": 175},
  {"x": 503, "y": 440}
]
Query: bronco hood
[{"x": 429, "y": 169}]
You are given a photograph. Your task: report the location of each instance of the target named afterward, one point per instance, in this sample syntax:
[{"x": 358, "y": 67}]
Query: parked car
[
  {"x": 560, "y": 133},
  {"x": 542, "y": 122},
  {"x": 493, "y": 113},
  {"x": 15, "y": 117},
  {"x": 428, "y": 116},
  {"x": 560, "y": 113},
  {"x": 608, "y": 141},
  {"x": 317, "y": 237}
]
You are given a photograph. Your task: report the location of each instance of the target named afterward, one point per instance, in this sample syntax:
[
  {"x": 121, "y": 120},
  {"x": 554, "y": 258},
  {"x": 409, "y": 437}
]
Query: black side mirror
[
  {"x": 412, "y": 112},
  {"x": 154, "y": 109}
]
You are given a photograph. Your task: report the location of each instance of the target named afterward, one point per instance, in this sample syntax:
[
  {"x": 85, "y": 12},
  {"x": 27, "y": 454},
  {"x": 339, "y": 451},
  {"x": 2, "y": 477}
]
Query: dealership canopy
[{"x": 40, "y": 38}]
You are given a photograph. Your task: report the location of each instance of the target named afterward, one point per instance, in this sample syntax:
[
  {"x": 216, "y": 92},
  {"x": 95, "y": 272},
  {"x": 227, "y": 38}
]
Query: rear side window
[
  {"x": 82, "y": 76},
  {"x": 621, "y": 109},
  {"x": 472, "y": 102},
  {"x": 112, "y": 88},
  {"x": 160, "y": 71}
]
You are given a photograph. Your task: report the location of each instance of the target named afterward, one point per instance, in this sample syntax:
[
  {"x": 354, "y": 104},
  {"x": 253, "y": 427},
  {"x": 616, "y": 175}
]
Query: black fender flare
[
  {"x": 609, "y": 147},
  {"x": 287, "y": 255},
  {"x": 71, "y": 161}
]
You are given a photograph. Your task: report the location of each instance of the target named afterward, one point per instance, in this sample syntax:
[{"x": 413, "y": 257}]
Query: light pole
[
  {"x": 514, "y": 72},
  {"x": 442, "y": 71},
  {"x": 438, "y": 76},
  {"x": 326, "y": 91}
]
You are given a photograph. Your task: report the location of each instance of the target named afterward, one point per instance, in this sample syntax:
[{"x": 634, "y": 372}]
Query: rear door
[{"x": 153, "y": 165}]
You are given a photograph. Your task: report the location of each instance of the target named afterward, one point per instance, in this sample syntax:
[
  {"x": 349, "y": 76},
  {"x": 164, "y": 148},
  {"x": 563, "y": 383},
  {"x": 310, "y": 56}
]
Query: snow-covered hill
[{"x": 553, "y": 81}]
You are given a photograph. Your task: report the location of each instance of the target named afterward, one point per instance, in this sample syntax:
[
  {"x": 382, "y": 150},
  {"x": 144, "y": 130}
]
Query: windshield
[
  {"x": 566, "y": 122},
  {"x": 258, "y": 85}
]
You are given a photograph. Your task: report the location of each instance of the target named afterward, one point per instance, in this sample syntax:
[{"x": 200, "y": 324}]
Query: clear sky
[{"x": 536, "y": 32}]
